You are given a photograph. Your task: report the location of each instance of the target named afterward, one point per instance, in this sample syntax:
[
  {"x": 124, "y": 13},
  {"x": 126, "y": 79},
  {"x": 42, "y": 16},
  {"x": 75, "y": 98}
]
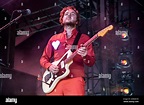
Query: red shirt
[{"x": 62, "y": 42}]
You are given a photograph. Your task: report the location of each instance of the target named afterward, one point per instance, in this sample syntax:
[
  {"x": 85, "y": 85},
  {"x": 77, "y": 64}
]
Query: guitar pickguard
[{"x": 50, "y": 79}]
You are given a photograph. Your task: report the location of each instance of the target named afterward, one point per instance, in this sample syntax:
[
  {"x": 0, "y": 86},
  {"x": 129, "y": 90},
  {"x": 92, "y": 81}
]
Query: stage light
[
  {"x": 123, "y": 33},
  {"x": 124, "y": 36},
  {"x": 122, "y": 90},
  {"x": 125, "y": 62},
  {"x": 126, "y": 91}
]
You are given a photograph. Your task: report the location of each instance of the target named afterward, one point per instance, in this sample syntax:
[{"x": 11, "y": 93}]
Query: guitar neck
[
  {"x": 90, "y": 40},
  {"x": 86, "y": 44}
]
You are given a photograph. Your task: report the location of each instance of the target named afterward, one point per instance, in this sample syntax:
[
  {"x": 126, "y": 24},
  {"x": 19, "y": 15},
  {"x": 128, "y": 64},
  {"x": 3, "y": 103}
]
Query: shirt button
[
  {"x": 71, "y": 76},
  {"x": 88, "y": 61}
]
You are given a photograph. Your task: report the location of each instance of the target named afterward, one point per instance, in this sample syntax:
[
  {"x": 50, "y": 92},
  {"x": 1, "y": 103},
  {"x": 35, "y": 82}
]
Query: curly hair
[{"x": 64, "y": 10}]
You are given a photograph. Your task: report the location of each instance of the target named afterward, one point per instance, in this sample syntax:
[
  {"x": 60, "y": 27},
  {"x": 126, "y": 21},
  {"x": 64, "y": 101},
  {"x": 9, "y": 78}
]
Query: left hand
[{"x": 82, "y": 51}]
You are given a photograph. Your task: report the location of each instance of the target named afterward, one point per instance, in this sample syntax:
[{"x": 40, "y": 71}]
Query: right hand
[{"x": 54, "y": 69}]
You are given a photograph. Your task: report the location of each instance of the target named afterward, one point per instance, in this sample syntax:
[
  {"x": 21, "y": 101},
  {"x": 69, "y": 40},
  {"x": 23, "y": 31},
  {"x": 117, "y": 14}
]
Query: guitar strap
[{"x": 76, "y": 41}]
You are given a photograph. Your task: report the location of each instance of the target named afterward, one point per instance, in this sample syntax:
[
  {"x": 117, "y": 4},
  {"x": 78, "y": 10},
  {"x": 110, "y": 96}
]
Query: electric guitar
[{"x": 50, "y": 80}]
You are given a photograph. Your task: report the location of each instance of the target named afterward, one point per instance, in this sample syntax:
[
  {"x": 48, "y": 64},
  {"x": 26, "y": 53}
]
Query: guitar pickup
[{"x": 62, "y": 64}]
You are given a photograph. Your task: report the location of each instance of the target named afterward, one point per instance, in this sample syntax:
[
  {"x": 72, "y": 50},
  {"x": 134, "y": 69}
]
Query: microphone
[{"x": 24, "y": 12}]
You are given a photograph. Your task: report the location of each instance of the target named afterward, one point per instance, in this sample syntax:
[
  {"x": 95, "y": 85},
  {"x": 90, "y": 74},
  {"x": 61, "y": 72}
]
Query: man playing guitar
[{"x": 59, "y": 46}]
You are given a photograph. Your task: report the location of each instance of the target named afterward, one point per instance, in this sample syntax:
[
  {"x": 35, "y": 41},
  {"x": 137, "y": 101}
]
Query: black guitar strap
[{"x": 76, "y": 41}]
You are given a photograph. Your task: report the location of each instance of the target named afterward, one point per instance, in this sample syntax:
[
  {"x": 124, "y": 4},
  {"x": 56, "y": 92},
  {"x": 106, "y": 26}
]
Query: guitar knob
[{"x": 55, "y": 75}]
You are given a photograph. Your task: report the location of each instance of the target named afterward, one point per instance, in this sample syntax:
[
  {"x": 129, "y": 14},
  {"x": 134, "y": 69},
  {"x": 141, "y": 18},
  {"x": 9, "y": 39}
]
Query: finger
[{"x": 81, "y": 45}]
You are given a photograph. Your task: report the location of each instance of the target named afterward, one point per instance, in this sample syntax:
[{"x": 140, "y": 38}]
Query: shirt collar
[{"x": 74, "y": 32}]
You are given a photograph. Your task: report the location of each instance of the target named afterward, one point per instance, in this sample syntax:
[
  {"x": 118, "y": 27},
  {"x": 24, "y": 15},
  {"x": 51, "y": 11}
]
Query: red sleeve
[
  {"x": 45, "y": 60},
  {"x": 89, "y": 59}
]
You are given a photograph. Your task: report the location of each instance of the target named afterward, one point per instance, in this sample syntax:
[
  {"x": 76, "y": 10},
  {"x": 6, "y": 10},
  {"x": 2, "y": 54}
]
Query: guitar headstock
[{"x": 105, "y": 30}]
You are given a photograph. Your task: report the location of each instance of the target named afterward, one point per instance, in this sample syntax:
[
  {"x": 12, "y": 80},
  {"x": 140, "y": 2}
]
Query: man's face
[{"x": 70, "y": 17}]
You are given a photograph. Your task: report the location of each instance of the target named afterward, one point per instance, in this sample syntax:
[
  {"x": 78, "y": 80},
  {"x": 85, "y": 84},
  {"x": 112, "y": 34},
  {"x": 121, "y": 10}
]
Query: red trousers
[{"x": 71, "y": 86}]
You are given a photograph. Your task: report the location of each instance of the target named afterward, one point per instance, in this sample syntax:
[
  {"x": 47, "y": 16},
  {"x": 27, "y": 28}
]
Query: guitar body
[{"x": 50, "y": 80}]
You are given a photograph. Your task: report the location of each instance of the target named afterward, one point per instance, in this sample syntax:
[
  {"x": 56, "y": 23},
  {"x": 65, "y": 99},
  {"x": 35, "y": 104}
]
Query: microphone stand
[{"x": 11, "y": 22}]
